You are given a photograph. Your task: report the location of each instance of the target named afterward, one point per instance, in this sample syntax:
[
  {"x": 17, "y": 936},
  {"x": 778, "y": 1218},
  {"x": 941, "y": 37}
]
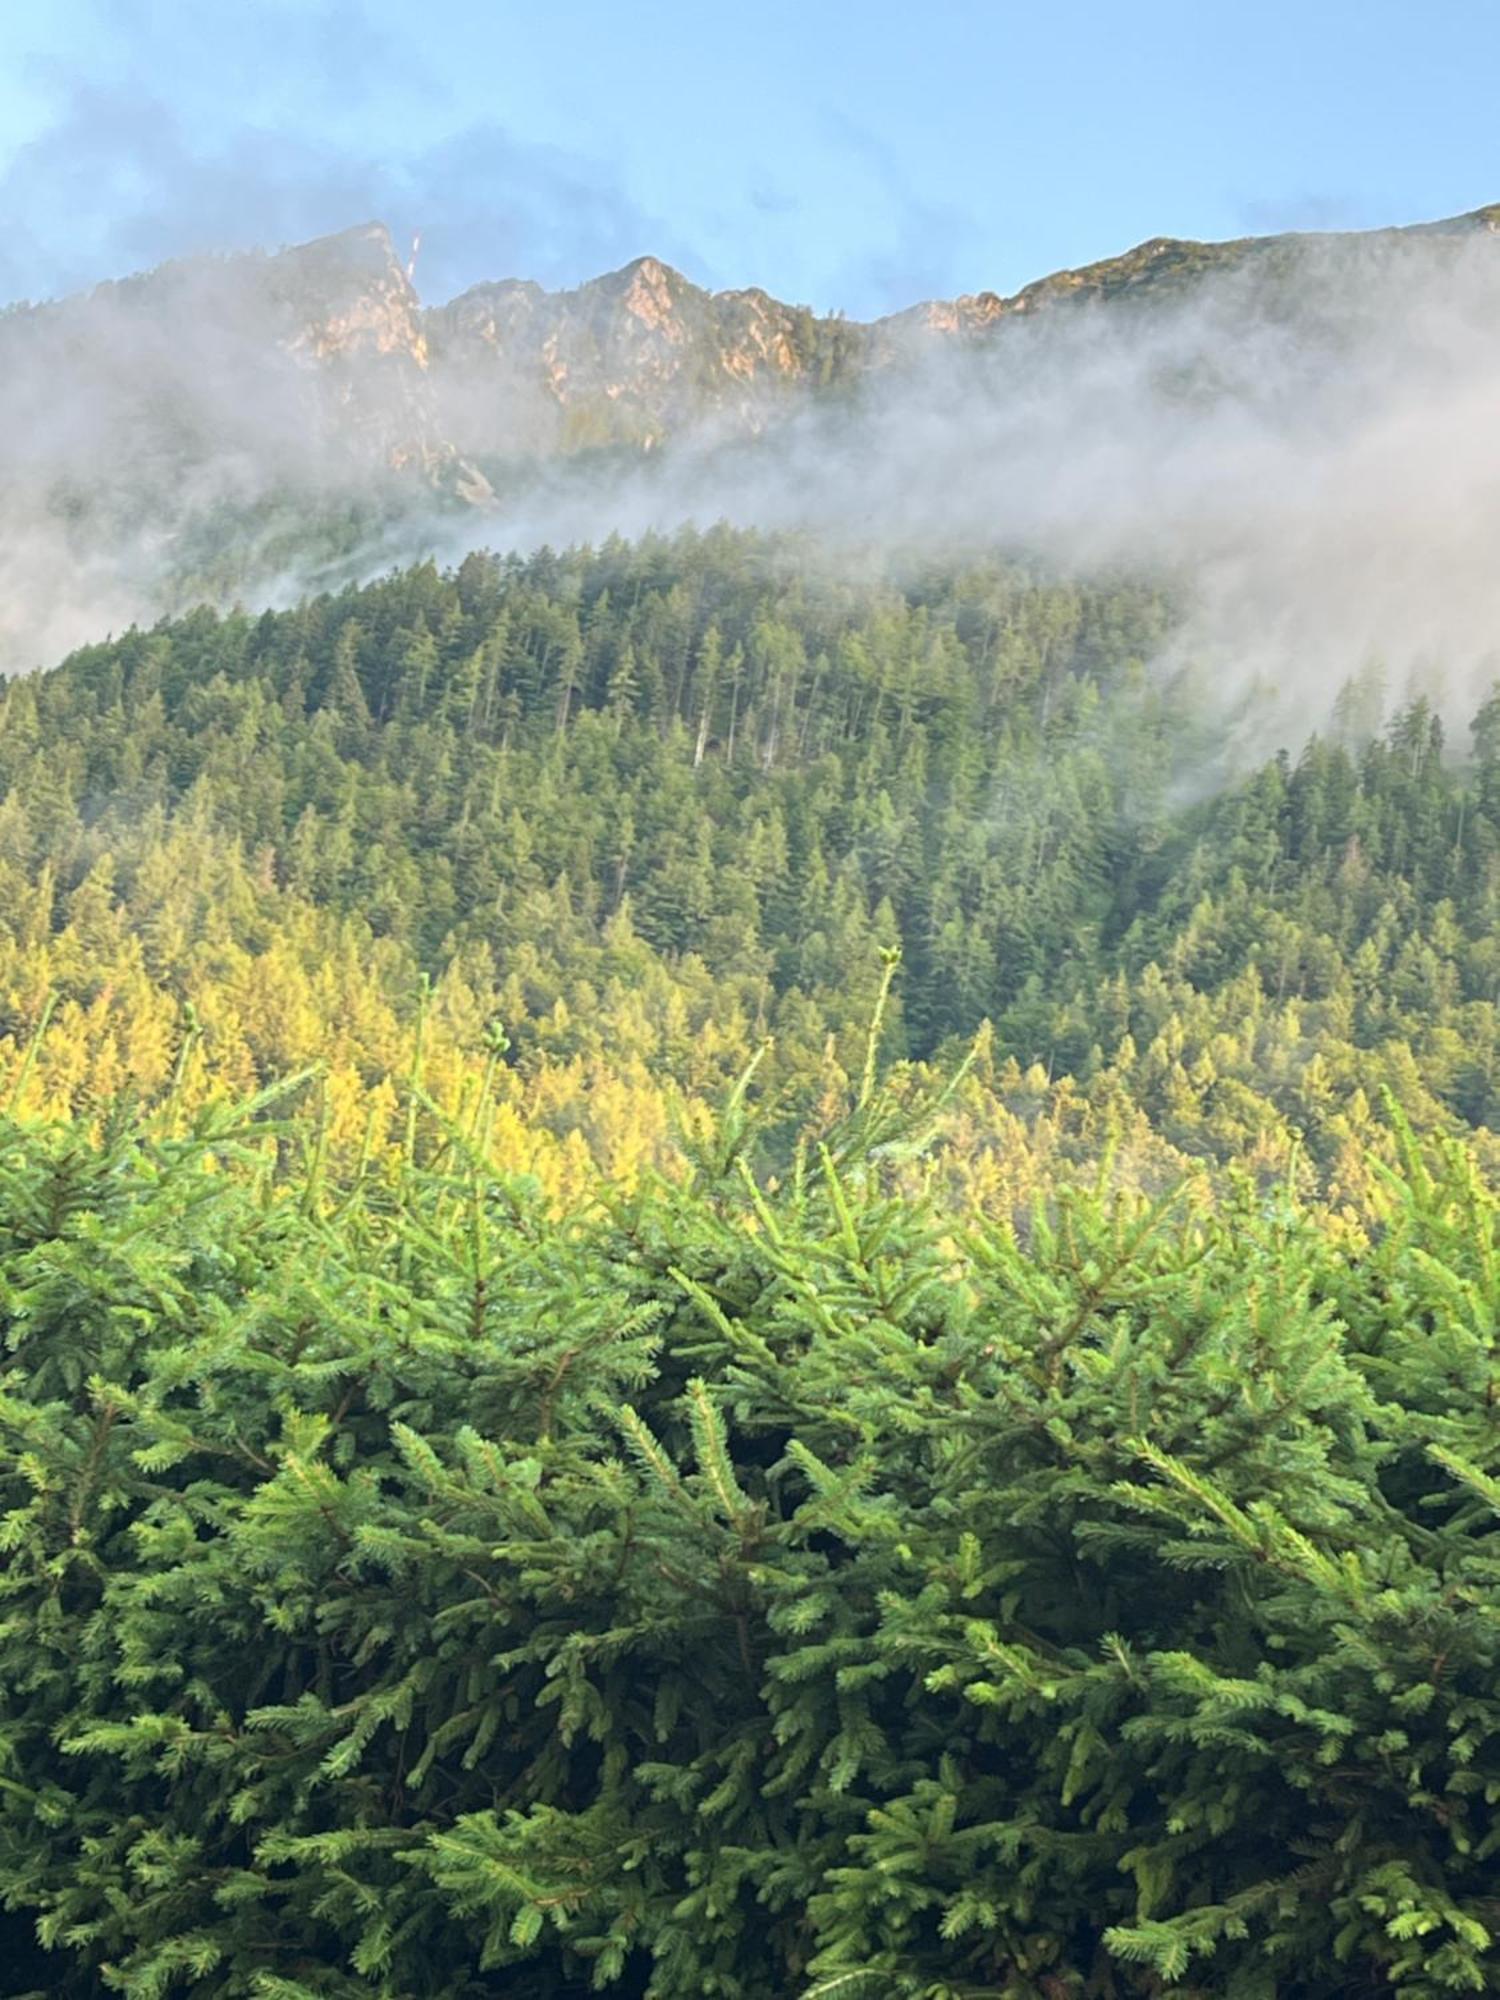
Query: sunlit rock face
[
  {"x": 625, "y": 359},
  {"x": 229, "y": 375}
]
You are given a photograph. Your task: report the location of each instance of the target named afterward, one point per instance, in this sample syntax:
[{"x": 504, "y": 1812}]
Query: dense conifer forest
[{"x": 729, "y": 1276}]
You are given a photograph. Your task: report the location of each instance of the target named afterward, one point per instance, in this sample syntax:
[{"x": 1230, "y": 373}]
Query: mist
[
  {"x": 1304, "y": 443},
  {"x": 1309, "y": 455}
]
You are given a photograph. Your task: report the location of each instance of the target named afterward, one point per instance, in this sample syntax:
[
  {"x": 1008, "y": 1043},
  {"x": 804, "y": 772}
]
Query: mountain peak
[
  {"x": 359, "y": 256},
  {"x": 645, "y": 286},
  {"x": 653, "y": 270},
  {"x": 360, "y": 242}
]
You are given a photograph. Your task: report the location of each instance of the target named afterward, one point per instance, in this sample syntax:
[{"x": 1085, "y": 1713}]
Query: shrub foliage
[{"x": 744, "y": 1591}]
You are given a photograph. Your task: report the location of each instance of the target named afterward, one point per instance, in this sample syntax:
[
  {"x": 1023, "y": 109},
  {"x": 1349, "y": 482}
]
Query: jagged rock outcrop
[
  {"x": 627, "y": 358},
  {"x": 214, "y": 377}
]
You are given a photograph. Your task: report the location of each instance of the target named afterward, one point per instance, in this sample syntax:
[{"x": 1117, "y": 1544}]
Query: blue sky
[{"x": 853, "y": 153}]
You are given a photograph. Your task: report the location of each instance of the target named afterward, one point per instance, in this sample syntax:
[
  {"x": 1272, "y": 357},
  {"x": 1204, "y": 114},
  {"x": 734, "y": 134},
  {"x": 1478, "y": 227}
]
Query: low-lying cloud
[{"x": 1306, "y": 444}]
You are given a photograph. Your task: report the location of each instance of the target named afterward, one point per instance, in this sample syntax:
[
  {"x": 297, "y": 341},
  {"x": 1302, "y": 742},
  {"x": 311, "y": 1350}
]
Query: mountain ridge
[
  {"x": 223, "y": 420},
  {"x": 1097, "y": 273},
  {"x": 509, "y": 367}
]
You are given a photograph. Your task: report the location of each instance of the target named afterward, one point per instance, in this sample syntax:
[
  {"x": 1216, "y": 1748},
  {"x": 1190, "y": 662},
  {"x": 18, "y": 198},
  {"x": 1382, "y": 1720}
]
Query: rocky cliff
[
  {"x": 218, "y": 375},
  {"x": 224, "y": 421}
]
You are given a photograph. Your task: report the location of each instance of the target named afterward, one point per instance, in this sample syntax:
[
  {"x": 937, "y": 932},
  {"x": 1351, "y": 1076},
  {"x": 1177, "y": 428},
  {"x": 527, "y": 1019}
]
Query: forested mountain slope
[{"x": 647, "y": 805}]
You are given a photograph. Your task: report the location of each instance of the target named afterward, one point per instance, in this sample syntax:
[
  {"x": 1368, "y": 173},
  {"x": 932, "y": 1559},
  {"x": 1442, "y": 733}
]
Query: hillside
[
  {"x": 702, "y": 1293},
  {"x": 649, "y": 805},
  {"x": 259, "y": 422}
]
